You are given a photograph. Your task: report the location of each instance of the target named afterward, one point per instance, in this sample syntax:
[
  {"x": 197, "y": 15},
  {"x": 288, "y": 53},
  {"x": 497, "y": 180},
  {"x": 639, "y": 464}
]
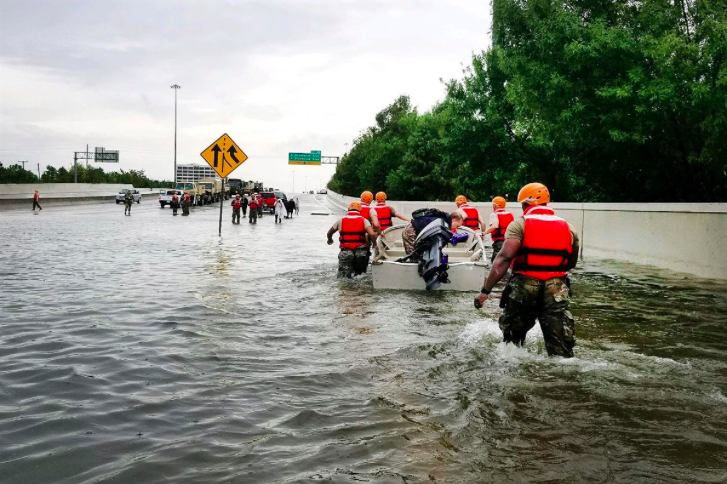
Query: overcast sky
[{"x": 276, "y": 75}]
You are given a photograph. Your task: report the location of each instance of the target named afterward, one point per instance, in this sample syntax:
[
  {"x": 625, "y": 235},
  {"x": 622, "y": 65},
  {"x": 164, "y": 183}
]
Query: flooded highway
[{"x": 148, "y": 349}]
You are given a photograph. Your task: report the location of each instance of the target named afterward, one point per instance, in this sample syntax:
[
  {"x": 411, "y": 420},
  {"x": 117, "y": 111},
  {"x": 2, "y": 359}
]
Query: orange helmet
[
  {"x": 499, "y": 202},
  {"x": 534, "y": 194},
  {"x": 381, "y": 197},
  {"x": 367, "y": 197},
  {"x": 355, "y": 206},
  {"x": 460, "y": 200}
]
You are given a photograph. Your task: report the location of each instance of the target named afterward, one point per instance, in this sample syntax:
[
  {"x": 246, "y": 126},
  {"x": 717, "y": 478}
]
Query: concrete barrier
[
  {"x": 684, "y": 237},
  {"x": 19, "y": 196}
]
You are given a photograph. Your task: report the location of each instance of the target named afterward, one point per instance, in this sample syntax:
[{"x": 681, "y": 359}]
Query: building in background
[{"x": 193, "y": 172}]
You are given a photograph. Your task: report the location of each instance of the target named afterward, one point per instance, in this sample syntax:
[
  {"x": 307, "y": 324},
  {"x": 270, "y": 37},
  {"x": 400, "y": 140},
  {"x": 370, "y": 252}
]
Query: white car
[
  {"x": 165, "y": 197},
  {"x": 120, "y": 196}
]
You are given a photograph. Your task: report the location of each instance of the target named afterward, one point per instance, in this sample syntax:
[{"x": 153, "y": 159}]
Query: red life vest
[
  {"x": 547, "y": 245},
  {"x": 503, "y": 220},
  {"x": 253, "y": 204},
  {"x": 366, "y": 211},
  {"x": 175, "y": 198},
  {"x": 472, "y": 216},
  {"x": 383, "y": 212},
  {"x": 353, "y": 231},
  {"x": 236, "y": 206}
]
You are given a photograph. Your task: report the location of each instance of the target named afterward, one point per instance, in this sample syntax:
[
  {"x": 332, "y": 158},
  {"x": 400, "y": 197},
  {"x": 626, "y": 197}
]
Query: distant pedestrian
[
  {"x": 186, "y": 202},
  {"x": 245, "y": 203},
  {"x": 175, "y": 203},
  {"x": 279, "y": 209},
  {"x": 253, "y": 210},
  {"x": 236, "y": 207},
  {"x": 128, "y": 200},
  {"x": 289, "y": 208},
  {"x": 36, "y": 202}
]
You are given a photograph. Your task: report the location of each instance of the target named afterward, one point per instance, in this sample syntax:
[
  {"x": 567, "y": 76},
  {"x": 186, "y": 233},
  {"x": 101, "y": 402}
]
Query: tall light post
[
  {"x": 346, "y": 148},
  {"x": 176, "y": 88}
]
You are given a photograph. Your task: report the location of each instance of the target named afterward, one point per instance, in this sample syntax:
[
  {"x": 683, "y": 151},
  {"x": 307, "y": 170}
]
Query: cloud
[{"x": 278, "y": 75}]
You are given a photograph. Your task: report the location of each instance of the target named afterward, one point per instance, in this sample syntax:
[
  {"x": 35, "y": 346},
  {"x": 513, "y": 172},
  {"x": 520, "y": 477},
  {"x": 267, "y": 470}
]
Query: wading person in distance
[
  {"x": 128, "y": 200},
  {"x": 245, "y": 203},
  {"x": 355, "y": 234},
  {"x": 544, "y": 247},
  {"x": 175, "y": 203},
  {"x": 253, "y": 210},
  {"x": 236, "y": 207},
  {"x": 36, "y": 201},
  {"x": 186, "y": 202},
  {"x": 497, "y": 225},
  {"x": 279, "y": 210}
]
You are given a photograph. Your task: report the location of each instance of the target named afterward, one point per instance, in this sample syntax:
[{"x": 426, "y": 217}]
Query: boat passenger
[
  {"x": 543, "y": 248},
  {"x": 355, "y": 233},
  {"x": 497, "y": 225},
  {"x": 472, "y": 216},
  {"x": 408, "y": 237}
]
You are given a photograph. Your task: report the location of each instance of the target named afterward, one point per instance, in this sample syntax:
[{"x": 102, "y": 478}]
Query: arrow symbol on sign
[
  {"x": 231, "y": 150},
  {"x": 216, "y": 150}
]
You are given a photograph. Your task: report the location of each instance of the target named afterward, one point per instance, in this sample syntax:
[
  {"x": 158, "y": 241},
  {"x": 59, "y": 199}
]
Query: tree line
[
  {"x": 137, "y": 178},
  {"x": 601, "y": 100}
]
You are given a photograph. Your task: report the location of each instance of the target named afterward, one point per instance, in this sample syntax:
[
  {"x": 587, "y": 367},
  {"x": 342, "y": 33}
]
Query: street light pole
[{"x": 176, "y": 88}]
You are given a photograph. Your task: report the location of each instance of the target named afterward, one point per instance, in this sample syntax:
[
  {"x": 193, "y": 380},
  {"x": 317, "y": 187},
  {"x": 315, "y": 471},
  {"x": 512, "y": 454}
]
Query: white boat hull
[{"x": 465, "y": 276}]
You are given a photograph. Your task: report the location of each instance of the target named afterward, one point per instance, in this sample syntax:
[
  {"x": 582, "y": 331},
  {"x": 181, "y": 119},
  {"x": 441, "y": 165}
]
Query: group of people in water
[
  {"x": 255, "y": 204},
  {"x": 537, "y": 249}
]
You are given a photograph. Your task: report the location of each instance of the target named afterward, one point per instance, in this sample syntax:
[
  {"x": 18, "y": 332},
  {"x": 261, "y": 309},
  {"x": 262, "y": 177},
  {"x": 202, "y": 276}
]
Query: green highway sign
[{"x": 312, "y": 156}]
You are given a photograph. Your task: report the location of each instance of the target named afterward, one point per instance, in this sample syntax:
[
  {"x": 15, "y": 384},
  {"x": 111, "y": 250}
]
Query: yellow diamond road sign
[{"x": 224, "y": 155}]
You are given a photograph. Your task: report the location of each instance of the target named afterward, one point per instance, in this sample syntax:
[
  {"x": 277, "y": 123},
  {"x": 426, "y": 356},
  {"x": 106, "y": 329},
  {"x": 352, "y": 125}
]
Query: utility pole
[
  {"x": 38, "y": 171},
  {"x": 86, "y": 155},
  {"x": 176, "y": 88},
  {"x": 346, "y": 147},
  {"x": 23, "y": 162},
  {"x": 75, "y": 171}
]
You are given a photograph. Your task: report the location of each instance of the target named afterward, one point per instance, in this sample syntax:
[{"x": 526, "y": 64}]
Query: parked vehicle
[
  {"x": 120, "y": 196},
  {"x": 212, "y": 189},
  {"x": 269, "y": 199},
  {"x": 279, "y": 194},
  {"x": 235, "y": 185},
  {"x": 322, "y": 191},
  {"x": 195, "y": 190},
  {"x": 165, "y": 196},
  {"x": 311, "y": 192}
]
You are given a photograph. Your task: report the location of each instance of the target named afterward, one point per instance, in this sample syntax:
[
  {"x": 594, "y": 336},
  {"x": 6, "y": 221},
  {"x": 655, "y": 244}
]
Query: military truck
[
  {"x": 195, "y": 190},
  {"x": 213, "y": 190}
]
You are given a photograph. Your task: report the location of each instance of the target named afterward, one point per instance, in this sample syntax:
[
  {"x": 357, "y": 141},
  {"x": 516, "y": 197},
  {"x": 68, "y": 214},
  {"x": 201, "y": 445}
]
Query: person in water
[
  {"x": 497, "y": 225},
  {"x": 542, "y": 248},
  {"x": 128, "y": 200},
  {"x": 36, "y": 201},
  {"x": 253, "y": 210},
  {"x": 355, "y": 233},
  {"x": 236, "y": 207}
]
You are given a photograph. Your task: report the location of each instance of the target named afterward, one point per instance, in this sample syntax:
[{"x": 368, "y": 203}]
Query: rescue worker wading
[
  {"x": 175, "y": 203},
  {"x": 497, "y": 225},
  {"x": 355, "y": 233},
  {"x": 236, "y": 207},
  {"x": 367, "y": 212},
  {"x": 544, "y": 247},
  {"x": 186, "y": 202},
  {"x": 128, "y": 200},
  {"x": 472, "y": 216},
  {"x": 253, "y": 210},
  {"x": 385, "y": 213}
]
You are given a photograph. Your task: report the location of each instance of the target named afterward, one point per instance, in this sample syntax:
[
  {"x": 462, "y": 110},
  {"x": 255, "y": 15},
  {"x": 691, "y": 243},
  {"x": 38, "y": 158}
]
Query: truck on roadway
[
  {"x": 213, "y": 190},
  {"x": 195, "y": 190}
]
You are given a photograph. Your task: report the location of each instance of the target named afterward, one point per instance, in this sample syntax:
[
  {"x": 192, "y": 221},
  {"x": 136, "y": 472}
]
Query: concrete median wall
[
  {"x": 17, "y": 196},
  {"x": 684, "y": 237}
]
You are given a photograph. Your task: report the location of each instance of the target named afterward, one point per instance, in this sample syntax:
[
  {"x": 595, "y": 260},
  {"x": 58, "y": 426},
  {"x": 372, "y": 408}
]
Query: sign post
[{"x": 224, "y": 156}]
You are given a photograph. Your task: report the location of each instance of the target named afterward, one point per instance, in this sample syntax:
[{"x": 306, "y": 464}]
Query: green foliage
[
  {"x": 601, "y": 100},
  {"x": 16, "y": 174},
  {"x": 137, "y": 178}
]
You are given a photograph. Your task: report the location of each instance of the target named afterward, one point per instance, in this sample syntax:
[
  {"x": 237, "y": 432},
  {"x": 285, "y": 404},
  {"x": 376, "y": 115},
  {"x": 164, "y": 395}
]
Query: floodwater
[{"x": 147, "y": 349}]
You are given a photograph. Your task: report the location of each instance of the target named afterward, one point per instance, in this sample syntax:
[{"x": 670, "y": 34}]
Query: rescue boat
[{"x": 467, "y": 263}]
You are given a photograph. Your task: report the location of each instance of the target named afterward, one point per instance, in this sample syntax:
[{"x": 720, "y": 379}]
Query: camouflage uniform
[
  {"x": 353, "y": 262},
  {"x": 526, "y": 299},
  {"x": 128, "y": 200},
  {"x": 185, "y": 206},
  {"x": 408, "y": 238},
  {"x": 496, "y": 248}
]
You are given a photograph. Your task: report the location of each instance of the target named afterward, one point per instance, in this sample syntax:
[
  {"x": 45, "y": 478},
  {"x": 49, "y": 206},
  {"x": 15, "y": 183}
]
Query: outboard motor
[{"x": 429, "y": 248}]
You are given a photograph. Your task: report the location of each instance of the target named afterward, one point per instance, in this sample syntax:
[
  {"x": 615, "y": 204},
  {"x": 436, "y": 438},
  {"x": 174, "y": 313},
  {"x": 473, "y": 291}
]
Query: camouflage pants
[
  {"x": 253, "y": 216},
  {"x": 496, "y": 248},
  {"x": 352, "y": 262},
  {"x": 235, "y": 215},
  {"x": 127, "y": 208},
  {"x": 409, "y": 237},
  {"x": 548, "y": 302}
]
